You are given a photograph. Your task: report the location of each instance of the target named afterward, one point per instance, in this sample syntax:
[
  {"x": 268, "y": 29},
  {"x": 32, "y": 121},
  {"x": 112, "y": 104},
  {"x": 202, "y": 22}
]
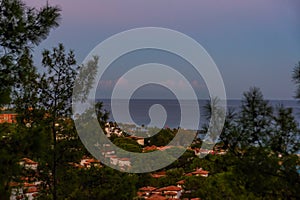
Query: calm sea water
[{"x": 139, "y": 110}]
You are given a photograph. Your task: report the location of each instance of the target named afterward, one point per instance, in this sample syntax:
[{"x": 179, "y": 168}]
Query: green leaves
[
  {"x": 56, "y": 85},
  {"x": 255, "y": 119},
  {"x": 96, "y": 183},
  {"x": 21, "y": 29},
  {"x": 22, "y": 26}
]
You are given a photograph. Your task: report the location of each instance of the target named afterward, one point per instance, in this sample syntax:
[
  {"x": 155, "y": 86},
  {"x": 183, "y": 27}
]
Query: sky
[{"x": 253, "y": 43}]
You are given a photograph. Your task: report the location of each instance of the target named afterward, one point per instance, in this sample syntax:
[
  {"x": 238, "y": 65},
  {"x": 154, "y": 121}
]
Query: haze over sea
[{"x": 139, "y": 109}]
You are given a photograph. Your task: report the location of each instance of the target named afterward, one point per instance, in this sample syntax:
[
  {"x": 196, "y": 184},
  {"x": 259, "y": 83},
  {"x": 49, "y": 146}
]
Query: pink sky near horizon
[{"x": 254, "y": 42}]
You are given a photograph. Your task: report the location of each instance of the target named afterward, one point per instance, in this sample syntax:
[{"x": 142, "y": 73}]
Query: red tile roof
[
  {"x": 76, "y": 165},
  {"x": 164, "y": 148},
  {"x": 92, "y": 160},
  {"x": 169, "y": 188},
  {"x": 8, "y": 118},
  {"x": 151, "y": 148},
  {"x": 19, "y": 197},
  {"x": 29, "y": 162},
  {"x": 172, "y": 193},
  {"x": 124, "y": 159},
  {"x": 139, "y": 194},
  {"x": 159, "y": 174},
  {"x": 29, "y": 184},
  {"x": 14, "y": 184},
  {"x": 157, "y": 197},
  {"x": 181, "y": 182},
  {"x": 148, "y": 188},
  {"x": 200, "y": 171},
  {"x": 35, "y": 194},
  {"x": 32, "y": 190}
]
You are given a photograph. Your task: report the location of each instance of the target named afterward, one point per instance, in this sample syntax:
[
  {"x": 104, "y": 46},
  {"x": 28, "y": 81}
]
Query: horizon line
[{"x": 271, "y": 99}]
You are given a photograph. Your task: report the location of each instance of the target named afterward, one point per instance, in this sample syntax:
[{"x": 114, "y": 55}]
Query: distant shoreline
[{"x": 107, "y": 99}]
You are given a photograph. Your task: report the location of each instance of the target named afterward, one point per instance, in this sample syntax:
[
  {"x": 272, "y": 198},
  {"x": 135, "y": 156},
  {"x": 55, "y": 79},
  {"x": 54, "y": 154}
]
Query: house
[
  {"x": 124, "y": 162},
  {"x": 28, "y": 187},
  {"x": 167, "y": 193},
  {"x": 76, "y": 165},
  {"x": 200, "y": 172},
  {"x": 108, "y": 153},
  {"x": 28, "y": 164},
  {"x": 170, "y": 192},
  {"x": 158, "y": 174},
  {"x": 8, "y": 117},
  {"x": 221, "y": 152},
  {"x": 162, "y": 148},
  {"x": 31, "y": 192},
  {"x": 89, "y": 162},
  {"x": 149, "y": 148},
  {"x": 121, "y": 162},
  {"x": 188, "y": 174},
  {"x": 156, "y": 197},
  {"x": 28, "y": 191},
  {"x": 180, "y": 183},
  {"x": 146, "y": 191},
  {"x": 112, "y": 129},
  {"x": 139, "y": 140},
  {"x": 16, "y": 193},
  {"x": 202, "y": 152}
]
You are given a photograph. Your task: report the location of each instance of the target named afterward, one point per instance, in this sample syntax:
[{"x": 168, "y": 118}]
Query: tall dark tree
[
  {"x": 255, "y": 119},
  {"x": 56, "y": 89},
  {"x": 21, "y": 28},
  {"x": 286, "y": 134}
]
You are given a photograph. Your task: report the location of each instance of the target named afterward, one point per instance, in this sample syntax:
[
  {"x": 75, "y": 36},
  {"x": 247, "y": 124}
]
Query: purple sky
[{"x": 254, "y": 43}]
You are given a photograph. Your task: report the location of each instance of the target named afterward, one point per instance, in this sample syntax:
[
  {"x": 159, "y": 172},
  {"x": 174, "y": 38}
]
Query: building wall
[{"x": 8, "y": 118}]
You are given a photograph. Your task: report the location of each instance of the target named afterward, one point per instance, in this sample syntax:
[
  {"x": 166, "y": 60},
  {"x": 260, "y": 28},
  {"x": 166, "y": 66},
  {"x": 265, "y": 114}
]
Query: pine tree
[
  {"x": 56, "y": 89},
  {"x": 21, "y": 28},
  {"x": 255, "y": 119}
]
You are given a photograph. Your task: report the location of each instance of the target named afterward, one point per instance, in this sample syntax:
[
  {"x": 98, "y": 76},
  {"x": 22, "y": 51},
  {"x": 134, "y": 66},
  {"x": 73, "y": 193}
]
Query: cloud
[
  {"x": 123, "y": 82},
  {"x": 106, "y": 84},
  {"x": 197, "y": 85},
  {"x": 110, "y": 84}
]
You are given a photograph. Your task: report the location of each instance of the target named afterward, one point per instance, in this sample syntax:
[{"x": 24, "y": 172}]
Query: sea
[{"x": 139, "y": 110}]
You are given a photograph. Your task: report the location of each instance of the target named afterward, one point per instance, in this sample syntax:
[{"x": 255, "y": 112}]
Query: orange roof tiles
[
  {"x": 14, "y": 184},
  {"x": 151, "y": 148},
  {"x": 172, "y": 193},
  {"x": 32, "y": 190},
  {"x": 29, "y": 184},
  {"x": 29, "y": 161},
  {"x": 169, "y": 188},
  {"x": 124, "y": 159},
  {"x": 148, "y": 188},
  {"x": 189, "y": 174},
  {"x": 164, "y": 148},
  {"x": 92, "y": 160},
  {"x": 159, "y": 174},
  {"x": 200, "y": 171},
  {"x": 181, "y": 182},
  {"x": 157, "y": 197}
]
